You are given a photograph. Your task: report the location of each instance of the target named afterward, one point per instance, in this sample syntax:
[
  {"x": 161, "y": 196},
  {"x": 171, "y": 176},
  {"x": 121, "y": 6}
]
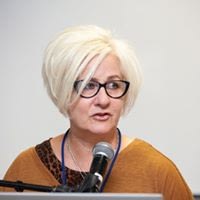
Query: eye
[
  {"x": 90, "y": 86},
  {"x": 113, "y": 85}
]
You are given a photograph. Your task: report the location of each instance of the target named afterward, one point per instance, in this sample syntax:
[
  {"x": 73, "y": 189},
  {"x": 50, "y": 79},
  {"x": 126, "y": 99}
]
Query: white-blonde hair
[{"x": 70, "y": 52}]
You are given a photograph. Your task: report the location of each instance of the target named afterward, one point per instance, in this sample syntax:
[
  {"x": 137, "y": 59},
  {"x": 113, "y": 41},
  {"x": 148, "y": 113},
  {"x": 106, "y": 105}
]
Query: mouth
[{"x": 101, "y": 116}]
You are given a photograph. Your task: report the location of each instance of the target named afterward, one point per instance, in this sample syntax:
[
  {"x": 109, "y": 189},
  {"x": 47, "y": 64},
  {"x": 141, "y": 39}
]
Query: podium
[{"x": 78, "y": 196}]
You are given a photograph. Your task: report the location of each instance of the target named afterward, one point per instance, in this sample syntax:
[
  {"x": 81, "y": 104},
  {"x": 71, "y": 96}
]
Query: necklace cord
[{"x": 82, "y": 173}]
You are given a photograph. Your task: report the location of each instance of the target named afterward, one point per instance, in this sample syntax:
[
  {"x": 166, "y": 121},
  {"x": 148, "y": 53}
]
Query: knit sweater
[{"x": 139, "y": 168}]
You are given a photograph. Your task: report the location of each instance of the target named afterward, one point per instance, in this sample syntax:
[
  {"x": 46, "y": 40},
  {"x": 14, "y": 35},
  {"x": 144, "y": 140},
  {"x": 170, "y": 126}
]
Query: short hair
[{"x": 69, "y": 53}]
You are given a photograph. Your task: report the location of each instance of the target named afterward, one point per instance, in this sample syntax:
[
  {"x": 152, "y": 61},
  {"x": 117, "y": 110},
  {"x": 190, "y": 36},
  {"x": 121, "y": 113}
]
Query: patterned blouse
[{"x": 52, "y": 163}]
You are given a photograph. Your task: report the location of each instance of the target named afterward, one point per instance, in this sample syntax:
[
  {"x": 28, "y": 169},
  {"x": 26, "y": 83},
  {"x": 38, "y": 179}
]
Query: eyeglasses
[{"x": 114, "y": 88}]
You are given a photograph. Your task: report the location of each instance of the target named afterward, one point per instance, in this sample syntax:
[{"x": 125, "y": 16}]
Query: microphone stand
[
  {"x": 91, "y": 183},
  {"x": 19, "y": 186}
]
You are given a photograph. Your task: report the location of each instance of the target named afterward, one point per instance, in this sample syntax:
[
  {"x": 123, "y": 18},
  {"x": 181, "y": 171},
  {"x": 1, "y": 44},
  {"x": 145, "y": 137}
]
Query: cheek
[
  {"x": 118, "y": 107},
  {"x": 72, "y": 110},
  {"x": 77, "y": 109}
]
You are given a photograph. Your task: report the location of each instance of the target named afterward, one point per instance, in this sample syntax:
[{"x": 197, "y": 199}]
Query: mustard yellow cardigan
[{"x": 139, "y": 168}]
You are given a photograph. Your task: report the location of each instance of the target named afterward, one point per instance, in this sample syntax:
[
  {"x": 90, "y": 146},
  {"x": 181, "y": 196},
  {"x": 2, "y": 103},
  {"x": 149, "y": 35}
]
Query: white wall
[{"x": 166, "y": 36}]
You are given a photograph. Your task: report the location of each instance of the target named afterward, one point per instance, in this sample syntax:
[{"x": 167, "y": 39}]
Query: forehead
[{"x": 109, "y": 67}]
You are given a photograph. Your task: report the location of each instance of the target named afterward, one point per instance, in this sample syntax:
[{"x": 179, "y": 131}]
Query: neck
[
  {"x": 85, "y": 140},
  {"x": 87, "y": 168},
  {"x": 81, "y": 146}
]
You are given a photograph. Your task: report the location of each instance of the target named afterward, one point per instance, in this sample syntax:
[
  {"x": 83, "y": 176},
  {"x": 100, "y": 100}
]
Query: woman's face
[{"x": 99, "y": 114}]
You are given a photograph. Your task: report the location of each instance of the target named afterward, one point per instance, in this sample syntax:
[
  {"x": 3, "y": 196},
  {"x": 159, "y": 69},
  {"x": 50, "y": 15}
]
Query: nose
[{"x": 102, "y": 99}]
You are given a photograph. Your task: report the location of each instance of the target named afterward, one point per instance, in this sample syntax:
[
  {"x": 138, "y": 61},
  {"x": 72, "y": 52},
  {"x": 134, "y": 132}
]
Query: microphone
[{"x": 102, "y": 153}]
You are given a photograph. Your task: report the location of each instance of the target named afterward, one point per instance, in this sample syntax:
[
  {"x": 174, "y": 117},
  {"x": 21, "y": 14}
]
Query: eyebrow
[{"x": 113, "y": 77}]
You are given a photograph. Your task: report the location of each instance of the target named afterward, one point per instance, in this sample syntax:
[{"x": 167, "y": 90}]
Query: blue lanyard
[{"x": 64, "y": 171}]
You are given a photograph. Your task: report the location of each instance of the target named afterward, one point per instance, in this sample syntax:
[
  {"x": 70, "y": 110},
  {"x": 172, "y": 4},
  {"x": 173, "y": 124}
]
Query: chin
[{"x": 102, "y": 130}]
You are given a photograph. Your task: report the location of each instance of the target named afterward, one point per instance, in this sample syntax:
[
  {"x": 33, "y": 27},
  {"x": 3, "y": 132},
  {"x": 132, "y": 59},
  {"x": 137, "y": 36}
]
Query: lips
[{"x": 101, "y": 116}]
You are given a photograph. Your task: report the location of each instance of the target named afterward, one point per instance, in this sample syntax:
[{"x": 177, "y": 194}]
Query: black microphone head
[{"x": 103, "y": 148}]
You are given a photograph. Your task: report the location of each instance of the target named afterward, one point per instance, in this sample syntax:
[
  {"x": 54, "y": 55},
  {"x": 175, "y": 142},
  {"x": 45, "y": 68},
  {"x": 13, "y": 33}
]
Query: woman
[{"x": 94, "y": 79}]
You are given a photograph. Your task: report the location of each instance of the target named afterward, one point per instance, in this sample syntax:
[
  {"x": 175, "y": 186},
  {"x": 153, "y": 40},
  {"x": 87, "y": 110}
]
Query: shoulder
[
  {"x": 25, "y": 155},
  {"x": 145, "y": 156},
  {"x": 142, "y": 147},
  {"x": 24, "y": 162},
  {"x": 31, "y": 154},
  {"x": 142, "y": 164},
  {"x": 142, "y": 151},
  {"x": 20, "y": 164}
]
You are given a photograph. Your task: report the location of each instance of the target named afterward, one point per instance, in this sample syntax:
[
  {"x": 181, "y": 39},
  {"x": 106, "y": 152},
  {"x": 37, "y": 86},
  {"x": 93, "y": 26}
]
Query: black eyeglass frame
[{"x": 127, "y": 84}]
